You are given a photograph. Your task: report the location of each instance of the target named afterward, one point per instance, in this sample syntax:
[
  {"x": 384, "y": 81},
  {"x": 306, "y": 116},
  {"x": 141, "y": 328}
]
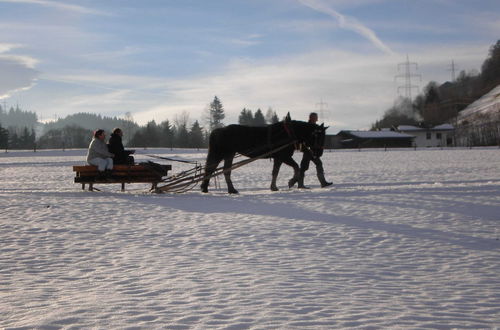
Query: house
[
  {"x": 375, "y": 139},
  {"x": 437, "y": 136}
]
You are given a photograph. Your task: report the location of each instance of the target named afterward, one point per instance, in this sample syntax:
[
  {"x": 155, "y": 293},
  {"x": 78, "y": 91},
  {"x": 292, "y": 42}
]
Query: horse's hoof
[
  {"x": 274, "y": 188},
  {"x": 292, "y": 183},
  {"x": 233, "y": 191}
]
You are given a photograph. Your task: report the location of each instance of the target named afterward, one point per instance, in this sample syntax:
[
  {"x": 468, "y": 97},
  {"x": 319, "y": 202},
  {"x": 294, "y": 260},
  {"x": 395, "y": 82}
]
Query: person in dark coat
[
  {"x": 115, "y": 146},
  {"x": 311, "y": 156}
]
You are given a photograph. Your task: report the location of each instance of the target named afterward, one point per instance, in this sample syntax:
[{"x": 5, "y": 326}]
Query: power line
[
  {"x": 322, "y": 106},
  {"x": 407, "y": 75},
  {"x": 453, "y": 69}
]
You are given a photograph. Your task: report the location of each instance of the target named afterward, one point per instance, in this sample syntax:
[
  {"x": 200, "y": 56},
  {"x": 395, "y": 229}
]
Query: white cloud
[
  {"x": 18, "y": 71},
  {"x": 5, "y": 47},
  {"x": 15, "y": 77},
  {"x": 245, "y": 42},
  {"x": 358, "y": 87},
  {"x": 354, "y": 86},
  {"x": 348, "y": 23}
]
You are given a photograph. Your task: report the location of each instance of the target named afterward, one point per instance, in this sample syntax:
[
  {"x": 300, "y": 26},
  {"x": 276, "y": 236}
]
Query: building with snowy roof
[
  {"x": 425, "y": 137},
  {"x": 375, "y": 139}
]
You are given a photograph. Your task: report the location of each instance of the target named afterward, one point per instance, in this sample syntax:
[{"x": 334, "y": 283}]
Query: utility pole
[
  {"x": 407, "y": 75},
  {"x": 322, "y": 106},
  {"x": 453, "y": 70}
]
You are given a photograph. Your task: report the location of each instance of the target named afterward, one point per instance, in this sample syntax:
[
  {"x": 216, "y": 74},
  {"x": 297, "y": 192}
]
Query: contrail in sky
[
  {"x": 348, "y": 23},
  {"x": 58, "y": 5}
]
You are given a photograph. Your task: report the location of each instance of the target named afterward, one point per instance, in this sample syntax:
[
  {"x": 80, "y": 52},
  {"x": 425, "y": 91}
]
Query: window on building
[
  {"x": 429, "y": 135},
  {"x": 438, "y": 136}
]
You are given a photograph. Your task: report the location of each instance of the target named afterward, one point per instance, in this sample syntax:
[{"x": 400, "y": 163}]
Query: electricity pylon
[
  {"x": 322, "y": 106},
  {"x": 407, "y": 75}
]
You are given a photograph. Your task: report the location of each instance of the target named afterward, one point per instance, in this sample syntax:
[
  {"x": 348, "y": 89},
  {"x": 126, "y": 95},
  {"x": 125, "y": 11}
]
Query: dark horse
[{"x": 276, "y": 141}]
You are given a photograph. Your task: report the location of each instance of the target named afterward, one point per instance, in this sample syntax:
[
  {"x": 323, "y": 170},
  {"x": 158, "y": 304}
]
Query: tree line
[
  {"x": 439, "y": 104},
  {"x": 17, "y": 128},
  {"x": 75, "y": 131},
  {"x": 179, "y": 134}
]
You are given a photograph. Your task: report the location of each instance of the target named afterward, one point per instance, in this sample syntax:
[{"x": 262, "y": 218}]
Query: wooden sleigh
[{"x": 142, "y": 173}]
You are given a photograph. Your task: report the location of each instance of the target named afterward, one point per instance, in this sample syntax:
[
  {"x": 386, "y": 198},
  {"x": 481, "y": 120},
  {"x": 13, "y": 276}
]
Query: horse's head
[
  {"x": 312, "y": 135},
  {"x": 318, "y": 140}
]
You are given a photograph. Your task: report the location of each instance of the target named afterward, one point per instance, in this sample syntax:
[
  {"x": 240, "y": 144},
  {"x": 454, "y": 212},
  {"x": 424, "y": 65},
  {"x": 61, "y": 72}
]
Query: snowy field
[{"x": 403, "y": 239}]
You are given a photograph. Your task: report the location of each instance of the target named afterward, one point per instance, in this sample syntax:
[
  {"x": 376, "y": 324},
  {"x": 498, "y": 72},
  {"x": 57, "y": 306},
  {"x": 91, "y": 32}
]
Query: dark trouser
[
  {"x": 304, "y": 166},
  {"x": 124, "y": 160},
  {"x": 306, "y": 159}
]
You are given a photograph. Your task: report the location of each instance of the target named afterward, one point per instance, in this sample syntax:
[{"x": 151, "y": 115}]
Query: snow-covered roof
[
  {"x": 378, "y": 134},
  {"x": 443, "y": 127},
  {"x": 486, "y": 103},
  {"x": 409, "y": 128}
]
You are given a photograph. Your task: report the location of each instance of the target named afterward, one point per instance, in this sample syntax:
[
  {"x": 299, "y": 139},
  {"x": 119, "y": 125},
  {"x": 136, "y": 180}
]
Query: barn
[{"x": 375, "y": 139}]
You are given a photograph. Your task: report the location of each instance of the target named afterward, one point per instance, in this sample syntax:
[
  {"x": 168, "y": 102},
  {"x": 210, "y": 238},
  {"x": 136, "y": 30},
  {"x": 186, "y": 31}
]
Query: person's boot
[
  {"x": 102, "y": 176},
  {"x": 301, "y": 182},
  {"x": 108, "y": 175},
  {"x": 322, "y": 180}
]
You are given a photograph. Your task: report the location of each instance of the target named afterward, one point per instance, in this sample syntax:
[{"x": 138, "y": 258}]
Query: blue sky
[{"x": 158, "y": 59}]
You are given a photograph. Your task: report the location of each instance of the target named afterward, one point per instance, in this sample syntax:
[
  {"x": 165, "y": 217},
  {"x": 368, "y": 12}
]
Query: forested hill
[
  {"x": 92, "y": 121},
  {"x": 440, "y": 103},
  {"x": 15, "y": 117}
]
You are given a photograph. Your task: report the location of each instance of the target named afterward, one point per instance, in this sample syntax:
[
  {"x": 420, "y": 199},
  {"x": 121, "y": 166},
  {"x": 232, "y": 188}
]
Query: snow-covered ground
[{"x": 403, "y": 239}]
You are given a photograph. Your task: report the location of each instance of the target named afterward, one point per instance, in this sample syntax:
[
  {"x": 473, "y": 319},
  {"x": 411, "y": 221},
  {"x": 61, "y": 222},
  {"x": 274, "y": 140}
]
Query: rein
[{"x": 173, "y": 159}]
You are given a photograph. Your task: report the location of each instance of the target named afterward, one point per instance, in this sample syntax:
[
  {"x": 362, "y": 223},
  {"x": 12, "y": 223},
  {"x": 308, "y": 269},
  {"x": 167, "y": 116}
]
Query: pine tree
[
  {"x": 258, "y": 118},
  {"x": 182, "y": 137},
  {"x": 271, "y": 116},
  {"x": 25, "y": 140},
  {"x": 274, "y": 119},
  {"x": 13, "y": 139},
  {"x": 246, "y": 117},
  {"x": 4, "y": 138},
  {"x": 216, "y": 113},
  {"x": 151, "y": 134},
  {"x": 196, "y": 139},
  {"x": 166, "y": 134}
]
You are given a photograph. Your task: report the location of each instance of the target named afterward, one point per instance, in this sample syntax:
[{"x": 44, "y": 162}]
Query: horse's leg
[
  {"x": 228, "y": 162},
  {"x": 210, "y": 167},
  {"x": 276, "y": 169},
  {"x": 296, "y": 171}
]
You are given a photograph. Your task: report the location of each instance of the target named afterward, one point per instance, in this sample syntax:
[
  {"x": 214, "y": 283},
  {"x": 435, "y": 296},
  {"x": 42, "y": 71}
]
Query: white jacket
[{"x": 98, "y": 149}]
